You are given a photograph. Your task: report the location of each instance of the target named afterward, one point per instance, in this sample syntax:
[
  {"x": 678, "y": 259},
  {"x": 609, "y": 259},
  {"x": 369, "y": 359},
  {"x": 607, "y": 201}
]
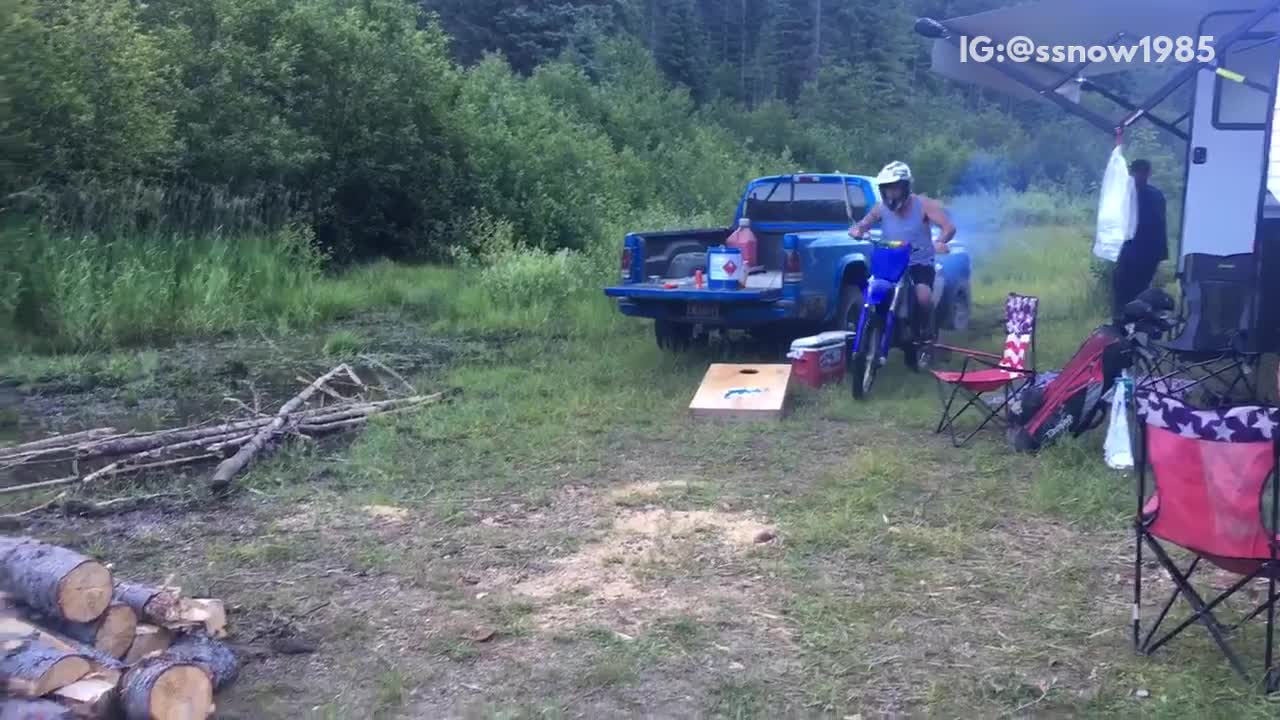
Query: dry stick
[
  {"x": 321, "y": 423},
  {"x": 220, "y": 447},
  {"x": 362, "y": 413},
  {"x": 326, "y": 390},
  {"x": 34, "y": 510},
  {"x": 57, "y": 441},
  {"x": 120, "y": 467},
  {"x": 229, "y": 467},
  {"x": 381, "y": 366},
  {"x": 356, "y": 379},
  {"x": 76, "y": 507},
  {"x": 128, "y": 443},
  {"x": 314, "y": 426}
]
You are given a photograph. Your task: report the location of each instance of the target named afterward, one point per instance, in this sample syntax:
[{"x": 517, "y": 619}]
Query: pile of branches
[{"x": 101, "y": 454}]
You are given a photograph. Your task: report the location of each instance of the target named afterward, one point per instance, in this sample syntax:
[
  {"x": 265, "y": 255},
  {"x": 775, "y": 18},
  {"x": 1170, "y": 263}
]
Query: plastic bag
[
  {"x": 1117, "y": 209},
  {"x": 1118, "y": 449}
]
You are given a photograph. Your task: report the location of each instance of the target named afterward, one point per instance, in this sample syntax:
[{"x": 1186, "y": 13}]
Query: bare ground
[
  {"x": 655, "y": 591},
  {"x": 513, "y": 560}
]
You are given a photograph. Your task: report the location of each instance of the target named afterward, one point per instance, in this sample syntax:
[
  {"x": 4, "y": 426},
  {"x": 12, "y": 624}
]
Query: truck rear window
[{"x": 787, "y": 201}]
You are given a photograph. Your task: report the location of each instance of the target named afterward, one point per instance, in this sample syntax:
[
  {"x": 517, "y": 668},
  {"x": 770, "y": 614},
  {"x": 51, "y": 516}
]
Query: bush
[{"x": 532, "y": 276}]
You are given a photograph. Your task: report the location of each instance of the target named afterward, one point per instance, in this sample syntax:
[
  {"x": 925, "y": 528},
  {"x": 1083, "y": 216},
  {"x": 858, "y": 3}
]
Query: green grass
[
  {"x": 344, "y": 343},
  {"x": 909, "y": 577}
]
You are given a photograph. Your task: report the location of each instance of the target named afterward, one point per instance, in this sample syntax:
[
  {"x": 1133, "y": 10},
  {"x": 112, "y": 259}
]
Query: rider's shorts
[{"x": 922, "y": 274}]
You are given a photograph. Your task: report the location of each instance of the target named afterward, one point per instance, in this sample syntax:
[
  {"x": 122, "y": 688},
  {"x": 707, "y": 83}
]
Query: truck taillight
[
  {"x": 791, "y": 271},
  {"x": 626, "y": 263}
]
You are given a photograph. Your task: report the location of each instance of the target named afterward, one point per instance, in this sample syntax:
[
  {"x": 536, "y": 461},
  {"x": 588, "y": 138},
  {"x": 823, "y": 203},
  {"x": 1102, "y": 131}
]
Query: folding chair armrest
[
  {"x": 968, "y": 352},
  {"x": 998, "y": 364}
]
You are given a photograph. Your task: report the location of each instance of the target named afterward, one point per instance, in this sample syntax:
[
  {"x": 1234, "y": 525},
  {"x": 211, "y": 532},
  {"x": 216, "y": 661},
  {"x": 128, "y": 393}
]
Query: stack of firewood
[{"x": 76, "y": 644}]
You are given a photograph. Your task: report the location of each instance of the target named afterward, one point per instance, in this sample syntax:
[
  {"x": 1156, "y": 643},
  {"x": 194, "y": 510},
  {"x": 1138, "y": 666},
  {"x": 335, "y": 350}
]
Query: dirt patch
[
  {"x": 634, "y": 570},
  {"x": 739, "y": 530},
  {"x": 646, "y": 491},
  {"x": 386, "y": 514}
]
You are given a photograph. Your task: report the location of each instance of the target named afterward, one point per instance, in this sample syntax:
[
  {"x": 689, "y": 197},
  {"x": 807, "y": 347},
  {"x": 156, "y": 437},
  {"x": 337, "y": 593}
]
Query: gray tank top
[{"x": 913, "y": 228}]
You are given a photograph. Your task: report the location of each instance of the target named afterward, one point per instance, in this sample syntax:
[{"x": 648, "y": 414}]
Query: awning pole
[{"x": 1170, "y": 127}]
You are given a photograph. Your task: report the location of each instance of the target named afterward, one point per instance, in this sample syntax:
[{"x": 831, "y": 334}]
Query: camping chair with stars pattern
[
  {"x": 993, "y": 374},
  {"x": 1214, "y": 493}
]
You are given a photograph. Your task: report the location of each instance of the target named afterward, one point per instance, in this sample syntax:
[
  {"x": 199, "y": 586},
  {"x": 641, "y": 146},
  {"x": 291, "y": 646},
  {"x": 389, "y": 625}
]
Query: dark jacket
[{"x": 1150, "y": 242}]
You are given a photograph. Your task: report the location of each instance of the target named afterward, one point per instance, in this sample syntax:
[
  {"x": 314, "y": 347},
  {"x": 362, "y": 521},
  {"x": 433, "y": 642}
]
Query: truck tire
[
  {"x": 672, "y": 337},
  {"x": 849, "y": 309}
]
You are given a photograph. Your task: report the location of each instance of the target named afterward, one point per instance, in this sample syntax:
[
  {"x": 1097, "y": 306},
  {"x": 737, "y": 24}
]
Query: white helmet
[{"x": 892, "y": 174}]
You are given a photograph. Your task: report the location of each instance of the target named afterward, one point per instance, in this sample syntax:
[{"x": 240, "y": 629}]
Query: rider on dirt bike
[{"x": 903, "y": 215}]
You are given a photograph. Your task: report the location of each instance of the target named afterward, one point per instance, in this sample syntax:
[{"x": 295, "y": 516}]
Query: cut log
[
  {"x": 54, "y": 580},
  {"x": 162, "y": 688},
  {"x": 31, "y": 668},
  {"x": 112, "y": 632},
  {"x": 167, "y": 608},
  {"x": 206, "y": 613},
  {"x": 214, "y": 657},
  {"x": 147, "y": 640},
  {"x": 227, "y": 469},
  {"x": 89, "y": 698},
  {"x": 102, "y": 666},
  {"x": 17, "y": 709}
]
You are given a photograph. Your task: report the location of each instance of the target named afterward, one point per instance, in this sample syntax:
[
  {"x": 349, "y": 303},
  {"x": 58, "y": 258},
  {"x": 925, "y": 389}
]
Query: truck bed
[{"x": 761, "y": 287}]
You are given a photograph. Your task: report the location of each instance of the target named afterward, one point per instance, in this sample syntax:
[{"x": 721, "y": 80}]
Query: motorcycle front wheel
[{"x": 866, "y": 361}]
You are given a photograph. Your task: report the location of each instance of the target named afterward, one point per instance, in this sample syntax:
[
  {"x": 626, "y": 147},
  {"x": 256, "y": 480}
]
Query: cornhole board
[{"x": 742, "y": 392}]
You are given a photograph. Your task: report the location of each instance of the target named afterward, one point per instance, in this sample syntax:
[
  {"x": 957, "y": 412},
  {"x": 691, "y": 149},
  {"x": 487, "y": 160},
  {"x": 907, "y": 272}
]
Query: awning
[{"x": 1054, "y": 23}]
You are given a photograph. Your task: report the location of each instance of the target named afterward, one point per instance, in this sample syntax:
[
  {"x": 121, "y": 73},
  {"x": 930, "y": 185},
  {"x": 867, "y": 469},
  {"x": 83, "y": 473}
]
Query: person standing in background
[{"x": 1142, "y": 254}]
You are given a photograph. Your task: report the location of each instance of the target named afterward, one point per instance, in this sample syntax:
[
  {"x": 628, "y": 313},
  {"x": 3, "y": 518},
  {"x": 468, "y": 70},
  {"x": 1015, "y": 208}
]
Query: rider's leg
[
  {"x": 924, "y": 306},
  {"x": 922, "y": 276}
]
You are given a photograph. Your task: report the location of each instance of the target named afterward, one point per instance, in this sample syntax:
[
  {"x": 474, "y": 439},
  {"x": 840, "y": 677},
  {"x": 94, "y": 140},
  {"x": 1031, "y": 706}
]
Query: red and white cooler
[{"x": 820, "y": 359}]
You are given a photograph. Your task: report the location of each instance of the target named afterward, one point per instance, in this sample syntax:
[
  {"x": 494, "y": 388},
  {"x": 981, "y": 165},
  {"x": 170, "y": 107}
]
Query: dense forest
[{"x": 380, "y": 128}]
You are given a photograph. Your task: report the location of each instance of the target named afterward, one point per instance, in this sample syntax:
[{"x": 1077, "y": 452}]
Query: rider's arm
[
  {"x": 934, "y": 212},
  {"x": 870, "y": 219}
]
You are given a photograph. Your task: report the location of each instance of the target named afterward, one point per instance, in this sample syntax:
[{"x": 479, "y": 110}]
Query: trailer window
[{"x": 1244, "y": 106}]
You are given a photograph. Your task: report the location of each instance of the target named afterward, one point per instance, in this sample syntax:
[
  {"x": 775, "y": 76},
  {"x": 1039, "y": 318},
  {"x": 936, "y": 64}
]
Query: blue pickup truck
[{"x": 810, "y": 274}]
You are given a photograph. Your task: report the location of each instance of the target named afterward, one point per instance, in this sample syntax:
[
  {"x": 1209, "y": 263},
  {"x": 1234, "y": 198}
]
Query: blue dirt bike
[{"x": 885, "y": 322}]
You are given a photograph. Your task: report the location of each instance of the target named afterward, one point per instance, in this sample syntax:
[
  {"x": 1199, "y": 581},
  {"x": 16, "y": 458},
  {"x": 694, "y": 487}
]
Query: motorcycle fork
[{"x": 891, "y": 322}]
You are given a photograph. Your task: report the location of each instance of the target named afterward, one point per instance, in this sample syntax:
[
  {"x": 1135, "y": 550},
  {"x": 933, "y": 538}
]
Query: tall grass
[
  {"x": 66, "y": 290},
  {"x": 226, "y": 265}
]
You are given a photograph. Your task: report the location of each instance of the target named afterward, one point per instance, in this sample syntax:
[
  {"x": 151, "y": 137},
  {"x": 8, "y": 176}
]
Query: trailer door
[{"x": 1228, "y": 149}]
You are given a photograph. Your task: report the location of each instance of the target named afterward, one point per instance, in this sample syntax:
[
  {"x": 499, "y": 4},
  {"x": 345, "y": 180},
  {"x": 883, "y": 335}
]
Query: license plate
[{"x": 703, "y": 310}]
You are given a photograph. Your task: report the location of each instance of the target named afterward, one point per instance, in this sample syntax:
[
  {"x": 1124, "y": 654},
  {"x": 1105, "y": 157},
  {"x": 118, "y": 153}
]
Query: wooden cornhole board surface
[{"x": 727, "y": 391}]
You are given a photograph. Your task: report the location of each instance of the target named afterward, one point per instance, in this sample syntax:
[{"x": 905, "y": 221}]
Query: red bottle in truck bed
[{"x": 745, "y": 240}]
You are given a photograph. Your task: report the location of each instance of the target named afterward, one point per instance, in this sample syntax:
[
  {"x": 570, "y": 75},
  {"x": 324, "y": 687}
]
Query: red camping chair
[
  {"x": 997, "y": 373},
  {"x": 1210, "y": 469}
]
